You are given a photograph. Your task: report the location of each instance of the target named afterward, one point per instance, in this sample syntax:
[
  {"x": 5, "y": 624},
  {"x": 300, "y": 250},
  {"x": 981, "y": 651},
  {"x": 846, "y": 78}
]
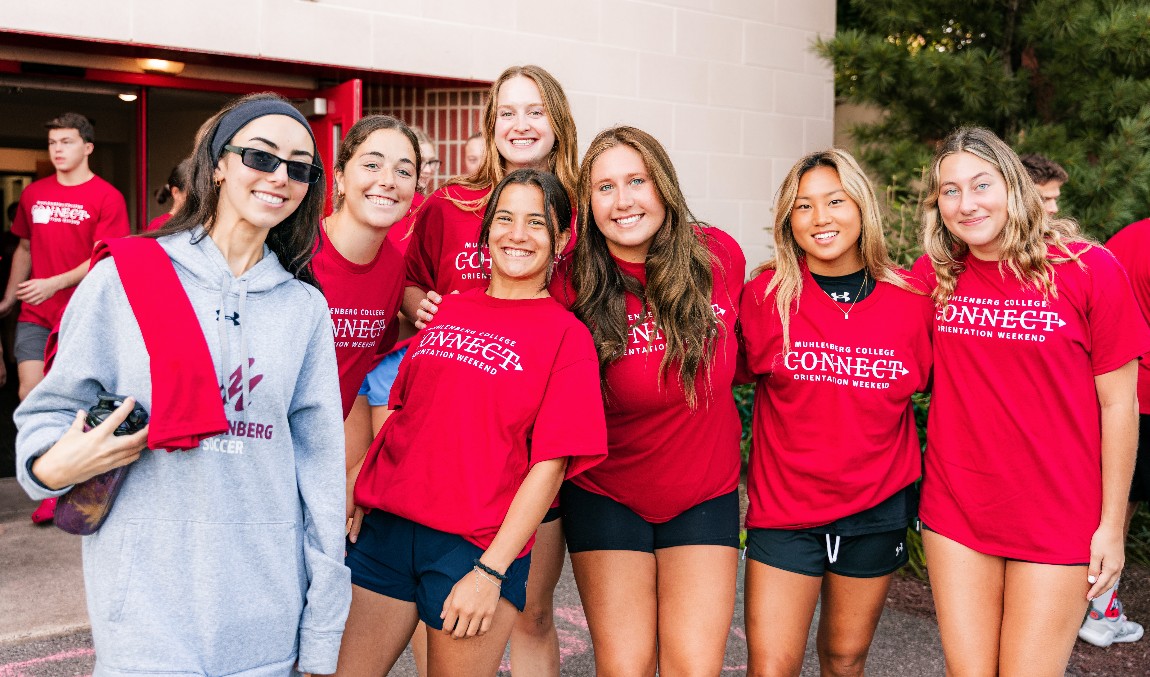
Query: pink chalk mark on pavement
[
  {"x": 17, "y": 669},
  {"x": 571, "y": 643},
  {"x": 573, "y": 615}
]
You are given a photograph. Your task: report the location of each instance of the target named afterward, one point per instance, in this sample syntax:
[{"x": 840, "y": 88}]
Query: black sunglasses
[{"x": 263, "y": 161}]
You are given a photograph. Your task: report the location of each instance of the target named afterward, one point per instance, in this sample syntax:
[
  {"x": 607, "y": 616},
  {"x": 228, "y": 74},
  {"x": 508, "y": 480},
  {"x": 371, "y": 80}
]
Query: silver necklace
[{"x": 847, "y": 313}]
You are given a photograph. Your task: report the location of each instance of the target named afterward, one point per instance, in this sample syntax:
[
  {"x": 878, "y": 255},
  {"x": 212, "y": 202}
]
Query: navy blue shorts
[
  {"x": 814, "y": 554},
  {"x": 377, "y": 384},
  {"x": 403, "y": 560},
  {"x": 594, "y": 522}
]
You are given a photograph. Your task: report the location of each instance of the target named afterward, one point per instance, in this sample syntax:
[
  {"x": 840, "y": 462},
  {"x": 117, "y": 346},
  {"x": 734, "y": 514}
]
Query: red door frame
[{"x": 344, "y": 108}]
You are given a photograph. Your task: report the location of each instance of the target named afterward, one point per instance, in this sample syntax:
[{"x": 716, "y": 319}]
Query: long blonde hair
[
  {"x": 1029, "y": 232},
  {"x": 680, "y": 278},
  {"x": 788, "y": 280},
  {"x": 563, "y": 161}
]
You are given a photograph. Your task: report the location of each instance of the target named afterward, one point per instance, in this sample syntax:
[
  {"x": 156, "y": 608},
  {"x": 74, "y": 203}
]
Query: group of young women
[{"x": 570, "y": 389}]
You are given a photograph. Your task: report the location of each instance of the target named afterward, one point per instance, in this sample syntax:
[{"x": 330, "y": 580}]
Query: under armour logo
[
  {"x": 898, "y": 550},
  {"x": 841, "y": 298},
  {"x": 234, "y": 318}
]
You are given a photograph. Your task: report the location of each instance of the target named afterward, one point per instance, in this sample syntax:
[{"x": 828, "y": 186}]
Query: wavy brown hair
[
  {"x": 563, "y": 161},
  {"x": 788, "y": 280},
  {"x": 1026, "y": 238},
  {"x": 680, "y": 278}
]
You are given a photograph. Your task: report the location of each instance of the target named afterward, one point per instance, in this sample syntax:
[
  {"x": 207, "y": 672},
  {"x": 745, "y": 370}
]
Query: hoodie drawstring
[
  {"x": 241, "y": 311},
  {"x": 833, "y": 555},
  {"x": 225, "y": 354}
]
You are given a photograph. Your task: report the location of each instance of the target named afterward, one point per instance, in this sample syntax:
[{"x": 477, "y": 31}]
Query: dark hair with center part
[{"x": 556, "y": 206}]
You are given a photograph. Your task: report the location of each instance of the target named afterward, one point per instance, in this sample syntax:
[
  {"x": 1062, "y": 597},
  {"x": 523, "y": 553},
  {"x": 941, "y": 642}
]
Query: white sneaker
[{"x": 1104, "y": 629}]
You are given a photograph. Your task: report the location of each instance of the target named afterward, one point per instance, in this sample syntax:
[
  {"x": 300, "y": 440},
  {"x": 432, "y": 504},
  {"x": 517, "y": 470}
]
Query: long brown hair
[
  {"x": 1029, "y": 231},
  {"x": 788, "y": 280},
  {"x": 292, "y": 240},
  {"x": 677, "y": 296},
  {"x": 563, "y": 160}
]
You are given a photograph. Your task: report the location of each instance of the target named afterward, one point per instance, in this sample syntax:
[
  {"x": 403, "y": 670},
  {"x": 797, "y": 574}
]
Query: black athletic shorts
[
  {"x": 594, "y": 522},
  {"x": 813, "y": 554},
  {"x": 1140, "y": 487},
  {"x": 552, "y": 514}
]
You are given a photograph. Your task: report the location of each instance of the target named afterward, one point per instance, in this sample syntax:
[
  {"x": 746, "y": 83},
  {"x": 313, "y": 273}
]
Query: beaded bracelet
[{"x": 488, "y": 570}]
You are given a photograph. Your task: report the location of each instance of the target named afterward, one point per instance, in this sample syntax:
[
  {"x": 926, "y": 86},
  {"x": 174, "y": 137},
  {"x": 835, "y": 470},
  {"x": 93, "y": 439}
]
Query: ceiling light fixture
[{"x": 160, "y": 66}]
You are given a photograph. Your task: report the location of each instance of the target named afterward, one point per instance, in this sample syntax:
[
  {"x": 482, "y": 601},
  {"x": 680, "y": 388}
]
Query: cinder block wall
[{"x": 729, "y": 86}]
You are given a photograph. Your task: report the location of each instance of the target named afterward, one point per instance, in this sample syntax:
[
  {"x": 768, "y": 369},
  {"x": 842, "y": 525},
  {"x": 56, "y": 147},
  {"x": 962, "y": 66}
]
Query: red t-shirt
[
  {"x": 1131, "y": 246},
  {"x": 400, "y": 237},
  {"x": 488, "y": 389},
  {"x": 62, "y": 224},
  {"x": 1013, "y": 461},
  {"x": 833, "y": 426},
  {"x": 664, "y": 458},
  {"x": 443, "y": 254},
  {"x": 158, "y": 222},
  {"x": 364, "y": 300}
]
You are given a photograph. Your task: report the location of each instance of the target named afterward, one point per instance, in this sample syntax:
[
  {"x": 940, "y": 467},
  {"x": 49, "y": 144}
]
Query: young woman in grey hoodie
[{"x": 227, "y": 558}]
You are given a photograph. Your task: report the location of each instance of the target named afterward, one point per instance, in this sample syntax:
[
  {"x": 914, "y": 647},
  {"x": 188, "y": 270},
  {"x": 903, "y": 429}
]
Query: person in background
[
  {"x": 473, "y": 152},
  {"x": 1033, "y": 421},
  {"x": 431, "y": 161},
  {"x": 1048, "y": 177},
  {"x": 60, "y": 218},
  {"x": 1106, "y": 621},
  {"x": 174, "y": 191}
]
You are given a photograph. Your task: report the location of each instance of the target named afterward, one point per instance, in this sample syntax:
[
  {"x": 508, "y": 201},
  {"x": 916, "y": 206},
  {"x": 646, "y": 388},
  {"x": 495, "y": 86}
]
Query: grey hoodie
[{"x": 228, "y": 558}]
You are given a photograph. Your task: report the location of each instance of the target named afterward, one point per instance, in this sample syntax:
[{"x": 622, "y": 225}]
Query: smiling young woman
[
  {"x": 519, "y": 368},
  {"x": 838, "y": 340},
  {"x": 360, "y": 267},
  {"x": 256, "y": 510},
  {"x": 653, "y": 531},
  {"x": 527, "y": 124},
  {"x": 1033, "y": 417}
]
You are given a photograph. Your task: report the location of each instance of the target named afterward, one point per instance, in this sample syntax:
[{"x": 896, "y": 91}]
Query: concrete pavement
[{"x": 43, "y": 620}]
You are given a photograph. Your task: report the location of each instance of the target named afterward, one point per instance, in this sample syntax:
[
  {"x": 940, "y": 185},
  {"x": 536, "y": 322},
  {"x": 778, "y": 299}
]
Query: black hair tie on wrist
[{"x": 488, "y": 570}]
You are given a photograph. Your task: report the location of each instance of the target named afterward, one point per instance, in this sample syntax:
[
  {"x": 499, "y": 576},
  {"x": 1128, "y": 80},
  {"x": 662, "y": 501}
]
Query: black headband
[{"x": 235, "y": 120}]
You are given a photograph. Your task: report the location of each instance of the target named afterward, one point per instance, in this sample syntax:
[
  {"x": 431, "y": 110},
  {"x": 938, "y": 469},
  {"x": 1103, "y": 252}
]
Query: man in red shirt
[{"x": 59, "y": 219}]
